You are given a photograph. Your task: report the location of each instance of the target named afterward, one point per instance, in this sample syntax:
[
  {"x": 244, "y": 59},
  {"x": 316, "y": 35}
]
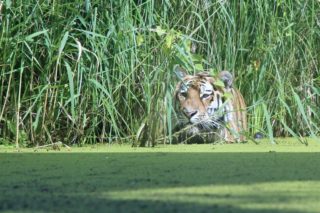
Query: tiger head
[
  {"x": 208, "y": 103},
  {"x": 200, "y": 99}
]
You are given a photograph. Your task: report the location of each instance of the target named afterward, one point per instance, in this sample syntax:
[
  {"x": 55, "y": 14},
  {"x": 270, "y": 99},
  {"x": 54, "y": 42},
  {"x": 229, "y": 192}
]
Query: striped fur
[{"x": 203, "y": 108}]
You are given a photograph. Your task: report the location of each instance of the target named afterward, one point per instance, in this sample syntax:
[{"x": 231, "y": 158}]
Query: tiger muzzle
[{"x": 190, "y": 113}]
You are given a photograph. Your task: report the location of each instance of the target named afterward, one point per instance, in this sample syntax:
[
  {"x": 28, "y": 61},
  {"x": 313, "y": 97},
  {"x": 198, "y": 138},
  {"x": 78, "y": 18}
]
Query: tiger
[{"x": 209, "y": 109}]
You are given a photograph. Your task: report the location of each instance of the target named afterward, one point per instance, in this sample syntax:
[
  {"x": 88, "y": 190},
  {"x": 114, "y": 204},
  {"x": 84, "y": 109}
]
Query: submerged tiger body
[{"x": 209, "y": 109}]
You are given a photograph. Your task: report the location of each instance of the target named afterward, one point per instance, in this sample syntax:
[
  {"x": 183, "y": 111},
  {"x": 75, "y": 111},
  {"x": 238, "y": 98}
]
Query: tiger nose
[{"x": 191, "y": 113}]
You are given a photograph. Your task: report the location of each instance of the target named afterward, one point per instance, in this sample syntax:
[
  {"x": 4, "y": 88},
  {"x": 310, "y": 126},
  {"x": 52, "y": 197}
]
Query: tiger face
[
  {"x": 202, "y": 105},
  {"x": 199, "y": 101}
]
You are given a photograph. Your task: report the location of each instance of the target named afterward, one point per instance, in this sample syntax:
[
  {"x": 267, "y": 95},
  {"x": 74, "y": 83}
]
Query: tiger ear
[
  {"x": 180, "y": 72},
  {"x": 227, "y": 78},
  {"x": 203, "y": 74}
]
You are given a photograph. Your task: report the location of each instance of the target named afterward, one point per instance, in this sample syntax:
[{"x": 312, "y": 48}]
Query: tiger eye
[
  {"x": 183, "y": 95},
  {"x": 205, "y": 96}
]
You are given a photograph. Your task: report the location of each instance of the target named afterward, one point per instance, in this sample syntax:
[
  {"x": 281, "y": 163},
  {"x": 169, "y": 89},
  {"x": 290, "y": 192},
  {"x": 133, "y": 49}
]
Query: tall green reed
[{"x": 101, "y": 71}]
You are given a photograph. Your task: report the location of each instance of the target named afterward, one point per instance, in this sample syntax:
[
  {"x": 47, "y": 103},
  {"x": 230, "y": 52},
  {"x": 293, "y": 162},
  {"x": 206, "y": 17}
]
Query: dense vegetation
[{"x": 87, "y": 71}]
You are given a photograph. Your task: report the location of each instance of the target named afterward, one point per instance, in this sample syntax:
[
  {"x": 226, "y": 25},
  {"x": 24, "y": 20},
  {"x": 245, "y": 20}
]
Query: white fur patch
[{"x": 206, "y": 88}]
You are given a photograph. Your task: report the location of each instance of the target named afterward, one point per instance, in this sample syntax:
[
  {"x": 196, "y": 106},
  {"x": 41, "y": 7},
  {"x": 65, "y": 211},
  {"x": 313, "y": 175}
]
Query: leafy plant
[{"x": 101, "y": 71}]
